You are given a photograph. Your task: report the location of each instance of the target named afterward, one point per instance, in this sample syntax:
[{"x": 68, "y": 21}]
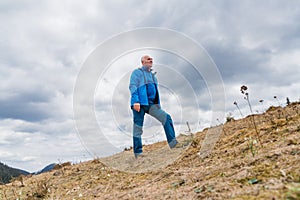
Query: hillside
[
  {"x": 7, "y": 173},
  {"x": 238, "y": 167}
]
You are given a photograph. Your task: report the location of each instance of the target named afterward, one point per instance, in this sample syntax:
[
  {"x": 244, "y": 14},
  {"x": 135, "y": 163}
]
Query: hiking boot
[
  {"x": 181, "y": 145},
  {"x": 139, "y": 155},
  {"x": 178, "y": 145}
]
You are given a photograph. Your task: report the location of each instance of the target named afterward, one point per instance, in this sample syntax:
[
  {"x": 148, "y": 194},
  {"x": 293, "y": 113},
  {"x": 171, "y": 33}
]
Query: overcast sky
[{"x": 44, "y": 45}]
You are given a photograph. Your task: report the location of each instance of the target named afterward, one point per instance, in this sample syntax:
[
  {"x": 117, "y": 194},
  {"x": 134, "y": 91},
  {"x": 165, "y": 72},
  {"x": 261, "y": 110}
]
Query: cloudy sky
[{"x": 44, "y": 46}]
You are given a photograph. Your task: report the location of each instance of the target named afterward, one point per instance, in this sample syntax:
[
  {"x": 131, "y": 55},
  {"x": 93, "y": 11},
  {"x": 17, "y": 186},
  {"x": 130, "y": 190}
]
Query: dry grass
[{"x": 229, "y": 172}]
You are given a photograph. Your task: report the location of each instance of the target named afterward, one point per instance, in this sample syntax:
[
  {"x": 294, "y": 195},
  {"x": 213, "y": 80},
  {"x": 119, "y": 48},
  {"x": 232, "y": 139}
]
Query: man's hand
[{"x": 137, "y": 107}]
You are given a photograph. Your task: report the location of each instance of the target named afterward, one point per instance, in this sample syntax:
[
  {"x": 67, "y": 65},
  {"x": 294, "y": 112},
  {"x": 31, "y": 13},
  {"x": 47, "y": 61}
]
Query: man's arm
[{"x": 133, "y": 87}]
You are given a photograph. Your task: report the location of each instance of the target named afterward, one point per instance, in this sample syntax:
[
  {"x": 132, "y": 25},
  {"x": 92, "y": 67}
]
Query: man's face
[{"x": 147, "y": 61}]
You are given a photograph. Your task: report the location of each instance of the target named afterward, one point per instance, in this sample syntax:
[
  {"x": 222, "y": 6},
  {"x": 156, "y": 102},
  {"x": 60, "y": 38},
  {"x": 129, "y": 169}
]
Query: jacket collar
[{"x": 145, "y": 68}]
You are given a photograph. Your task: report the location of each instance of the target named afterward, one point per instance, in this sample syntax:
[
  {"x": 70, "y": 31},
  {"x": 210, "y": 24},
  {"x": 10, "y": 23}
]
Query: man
[{"x": 145, "y": 99}]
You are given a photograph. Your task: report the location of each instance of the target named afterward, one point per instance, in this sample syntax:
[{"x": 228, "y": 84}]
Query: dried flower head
[
  {"x": 243, "y": 89},
  {"x": 235, "y": 103}
]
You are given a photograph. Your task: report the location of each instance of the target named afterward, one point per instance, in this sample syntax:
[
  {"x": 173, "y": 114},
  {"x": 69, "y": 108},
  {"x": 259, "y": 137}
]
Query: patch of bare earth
[{"x": 238, "y": 167}]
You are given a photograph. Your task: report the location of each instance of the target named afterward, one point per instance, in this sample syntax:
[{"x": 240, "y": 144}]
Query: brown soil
[{"x": 224, "y": 162}]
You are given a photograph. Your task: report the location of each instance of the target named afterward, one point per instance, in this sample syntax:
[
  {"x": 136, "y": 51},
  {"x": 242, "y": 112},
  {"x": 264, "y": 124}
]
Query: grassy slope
[{"x": 225, "y": 174}]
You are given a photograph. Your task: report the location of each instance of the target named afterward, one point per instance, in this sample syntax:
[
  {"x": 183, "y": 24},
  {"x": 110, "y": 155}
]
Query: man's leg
[
  {"x": 138, "y": 120},
  {"x": 167, "y": 123}
]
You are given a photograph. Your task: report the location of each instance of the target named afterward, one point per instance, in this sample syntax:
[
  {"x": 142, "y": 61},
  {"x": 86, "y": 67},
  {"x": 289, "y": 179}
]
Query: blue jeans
[{"x": 138, "y": 120}]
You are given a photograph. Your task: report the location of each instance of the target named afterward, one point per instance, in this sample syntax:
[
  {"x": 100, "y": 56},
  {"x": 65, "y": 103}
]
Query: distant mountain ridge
[
  {"x": 7, "y": 173},
  {"x": 46, "y": 169}
]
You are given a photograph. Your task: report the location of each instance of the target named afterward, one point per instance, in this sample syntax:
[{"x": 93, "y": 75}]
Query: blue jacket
[{"x": 138, "y": 88}]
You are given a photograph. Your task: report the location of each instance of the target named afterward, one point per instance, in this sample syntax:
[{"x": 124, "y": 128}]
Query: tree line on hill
[{"x": 7, "y": 173}]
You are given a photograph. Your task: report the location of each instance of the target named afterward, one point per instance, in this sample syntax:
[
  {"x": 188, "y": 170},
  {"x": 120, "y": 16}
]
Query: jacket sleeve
[
  {"x": 133, "y": 86},
  {"x": 155, "y": 79}
]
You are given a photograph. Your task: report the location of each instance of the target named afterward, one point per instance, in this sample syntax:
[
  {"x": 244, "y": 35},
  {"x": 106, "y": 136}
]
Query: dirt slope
[{"x": 238, "y": 167}]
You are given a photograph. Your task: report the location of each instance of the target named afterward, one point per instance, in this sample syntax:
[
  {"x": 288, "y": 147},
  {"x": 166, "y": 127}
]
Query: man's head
[{"x": 147, "y": 61}]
